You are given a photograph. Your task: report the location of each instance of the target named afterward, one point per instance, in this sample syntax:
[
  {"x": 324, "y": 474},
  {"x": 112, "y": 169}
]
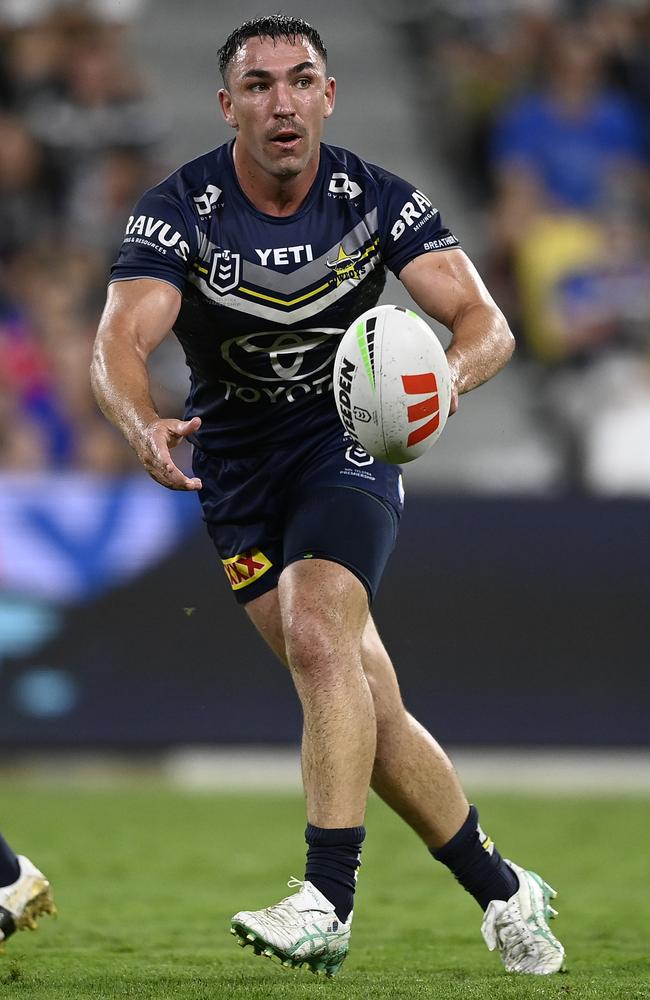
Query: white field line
[{"x": 272, "y": 769}]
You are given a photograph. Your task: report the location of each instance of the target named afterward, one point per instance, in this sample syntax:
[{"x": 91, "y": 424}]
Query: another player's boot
[
  {"x": 302, "y": 929},
  {"x": 519, "y": 927},
  {"x": 29, "y": 897}
]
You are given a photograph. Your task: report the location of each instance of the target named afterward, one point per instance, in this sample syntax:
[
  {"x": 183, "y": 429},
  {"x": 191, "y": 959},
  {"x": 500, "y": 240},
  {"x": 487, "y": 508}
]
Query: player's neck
[{"x": 273, "y": 195}]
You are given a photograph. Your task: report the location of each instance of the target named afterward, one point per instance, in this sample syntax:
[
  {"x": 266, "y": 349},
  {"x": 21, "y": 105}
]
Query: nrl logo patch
[
  {"x": 357, "y": 455},
  {"x": 225, "y": 271}
]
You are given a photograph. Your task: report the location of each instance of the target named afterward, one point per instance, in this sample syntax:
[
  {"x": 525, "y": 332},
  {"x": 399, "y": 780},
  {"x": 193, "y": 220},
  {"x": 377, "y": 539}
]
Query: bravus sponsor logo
[
  {"x": 410, "y": 212},
  {"x": 143, "y": 228}
]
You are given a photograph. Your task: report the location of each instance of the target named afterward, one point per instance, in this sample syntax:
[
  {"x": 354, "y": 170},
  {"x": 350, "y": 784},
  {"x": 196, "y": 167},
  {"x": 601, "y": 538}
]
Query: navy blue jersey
[{"x": 266, "y": 298}]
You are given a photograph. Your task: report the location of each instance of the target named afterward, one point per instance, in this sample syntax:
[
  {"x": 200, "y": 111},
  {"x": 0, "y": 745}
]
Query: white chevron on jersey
[{"x": 279, "y": 314}]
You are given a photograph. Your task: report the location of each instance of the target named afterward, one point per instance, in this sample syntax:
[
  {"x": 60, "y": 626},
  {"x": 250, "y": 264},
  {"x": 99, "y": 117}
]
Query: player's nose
[{"x": 283, "y": 106}]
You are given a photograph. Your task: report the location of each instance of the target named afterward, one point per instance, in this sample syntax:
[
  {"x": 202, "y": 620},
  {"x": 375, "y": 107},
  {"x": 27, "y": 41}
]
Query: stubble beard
[{"x": 287, "y": 170}]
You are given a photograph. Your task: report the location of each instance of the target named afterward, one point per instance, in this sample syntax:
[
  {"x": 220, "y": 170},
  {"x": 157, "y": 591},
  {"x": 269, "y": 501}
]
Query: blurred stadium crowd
[
  {"x": 79, "y": 142},
  {"x": 543, "y": 112}
]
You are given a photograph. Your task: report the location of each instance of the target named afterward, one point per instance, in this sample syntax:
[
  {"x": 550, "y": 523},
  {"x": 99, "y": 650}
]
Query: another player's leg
[
  {"x": 25, "y": 893},
  {"x": 323, "y": 608}
]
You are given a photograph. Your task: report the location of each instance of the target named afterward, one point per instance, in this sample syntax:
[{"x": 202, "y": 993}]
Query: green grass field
[{"x": 146, "y": 880}]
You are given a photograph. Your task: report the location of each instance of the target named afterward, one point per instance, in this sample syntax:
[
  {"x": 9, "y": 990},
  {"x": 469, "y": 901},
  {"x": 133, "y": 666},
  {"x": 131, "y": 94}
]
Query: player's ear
[
  {"x": 330, "y": 97},
  {"x": 225, "y": 103}
]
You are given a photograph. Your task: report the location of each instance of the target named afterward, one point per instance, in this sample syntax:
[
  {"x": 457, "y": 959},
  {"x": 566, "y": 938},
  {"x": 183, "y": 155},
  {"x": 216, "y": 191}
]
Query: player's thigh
[
  {"x": 265, "y": 614},
  {"x": 324, "y": 608},
  {"x": 337, "y": 541},
  {"x": 319, "y": 606},
  {"x": 352, "y": 528}
]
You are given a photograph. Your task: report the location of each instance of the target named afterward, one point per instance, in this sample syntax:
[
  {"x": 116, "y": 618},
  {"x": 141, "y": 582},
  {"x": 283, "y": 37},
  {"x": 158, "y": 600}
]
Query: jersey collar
[{"x": 307, "y": 204}]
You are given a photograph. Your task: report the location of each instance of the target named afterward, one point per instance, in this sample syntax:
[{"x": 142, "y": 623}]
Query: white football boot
[
  {"x": 29, "y": 897},
  {"x": 302, "y": 929},
  {"x": 519, "y": 927}
]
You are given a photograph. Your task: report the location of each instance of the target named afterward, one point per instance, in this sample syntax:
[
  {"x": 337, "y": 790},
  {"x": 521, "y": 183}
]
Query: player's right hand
[{"x": 154, "y": 451}]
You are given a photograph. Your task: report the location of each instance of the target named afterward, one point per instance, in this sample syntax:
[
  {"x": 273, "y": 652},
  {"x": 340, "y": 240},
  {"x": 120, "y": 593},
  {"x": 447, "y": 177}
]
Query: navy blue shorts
[{"x": 324, "y": 498}]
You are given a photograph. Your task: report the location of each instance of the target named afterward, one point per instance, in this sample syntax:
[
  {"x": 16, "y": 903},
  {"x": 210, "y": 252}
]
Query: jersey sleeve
[
  {"x": 410, "y": 225},
  {"x": 160, "y": 241}
]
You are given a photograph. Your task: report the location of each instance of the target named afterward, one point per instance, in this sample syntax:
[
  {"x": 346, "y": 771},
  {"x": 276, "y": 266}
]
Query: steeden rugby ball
[{"x": 392, "y": 384}]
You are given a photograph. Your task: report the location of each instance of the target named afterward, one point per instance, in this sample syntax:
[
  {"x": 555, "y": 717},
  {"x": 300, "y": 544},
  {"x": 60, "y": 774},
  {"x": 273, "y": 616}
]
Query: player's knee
[
  {"x": 322, "y": 645},
  {"x": 312, "y": 644},
  {"x": 324, "y": 610}
]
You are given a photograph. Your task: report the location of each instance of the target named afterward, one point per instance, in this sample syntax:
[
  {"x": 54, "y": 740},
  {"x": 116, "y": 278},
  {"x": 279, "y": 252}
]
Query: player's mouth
[{"x": 287, "y": 139}]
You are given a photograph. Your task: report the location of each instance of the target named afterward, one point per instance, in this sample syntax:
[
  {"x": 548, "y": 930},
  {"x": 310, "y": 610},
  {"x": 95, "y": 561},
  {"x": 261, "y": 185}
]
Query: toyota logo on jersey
[{"x": 281, "y": 356}]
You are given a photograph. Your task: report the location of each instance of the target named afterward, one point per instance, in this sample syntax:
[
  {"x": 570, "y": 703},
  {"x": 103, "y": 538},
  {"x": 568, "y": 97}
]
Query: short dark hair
[{"x": 272, "y": 26}]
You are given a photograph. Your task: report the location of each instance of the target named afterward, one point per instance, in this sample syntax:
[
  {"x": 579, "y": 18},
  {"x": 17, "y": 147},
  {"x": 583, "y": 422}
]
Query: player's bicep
[
  {"x": 139, "y": 314},
  {"x": 444, "y": 284}
]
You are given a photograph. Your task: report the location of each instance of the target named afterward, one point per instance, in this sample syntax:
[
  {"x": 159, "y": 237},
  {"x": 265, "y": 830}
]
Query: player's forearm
[
  {"x": 480, "y": 347},
  {"x": 120, "y": 382}
]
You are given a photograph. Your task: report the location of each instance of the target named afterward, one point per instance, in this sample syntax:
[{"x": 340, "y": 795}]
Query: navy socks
[
  {"x": 333, "y": 857},
  {"x": 476, "y": 863},
  {"x": 9, "y": 867}
]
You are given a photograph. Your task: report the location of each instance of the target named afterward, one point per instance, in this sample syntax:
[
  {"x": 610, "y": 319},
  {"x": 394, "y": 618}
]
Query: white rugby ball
[{"x": 392, "y": 384}]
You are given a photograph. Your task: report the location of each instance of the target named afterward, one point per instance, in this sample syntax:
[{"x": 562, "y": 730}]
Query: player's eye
[
  {"x": 303, "y": 82},
  {"x": 258, "y": 88}
]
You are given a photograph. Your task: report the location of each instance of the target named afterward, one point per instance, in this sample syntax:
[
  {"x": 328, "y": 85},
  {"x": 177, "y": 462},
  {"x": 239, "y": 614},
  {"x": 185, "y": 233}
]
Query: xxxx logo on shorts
[{"x": 245, "y": 568}]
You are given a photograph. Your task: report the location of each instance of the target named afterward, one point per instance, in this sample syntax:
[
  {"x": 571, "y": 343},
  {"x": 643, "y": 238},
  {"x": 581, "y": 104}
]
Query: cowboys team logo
[
  {"x": 226, "y": 268},
  {"x": 345, "y": 265}
]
